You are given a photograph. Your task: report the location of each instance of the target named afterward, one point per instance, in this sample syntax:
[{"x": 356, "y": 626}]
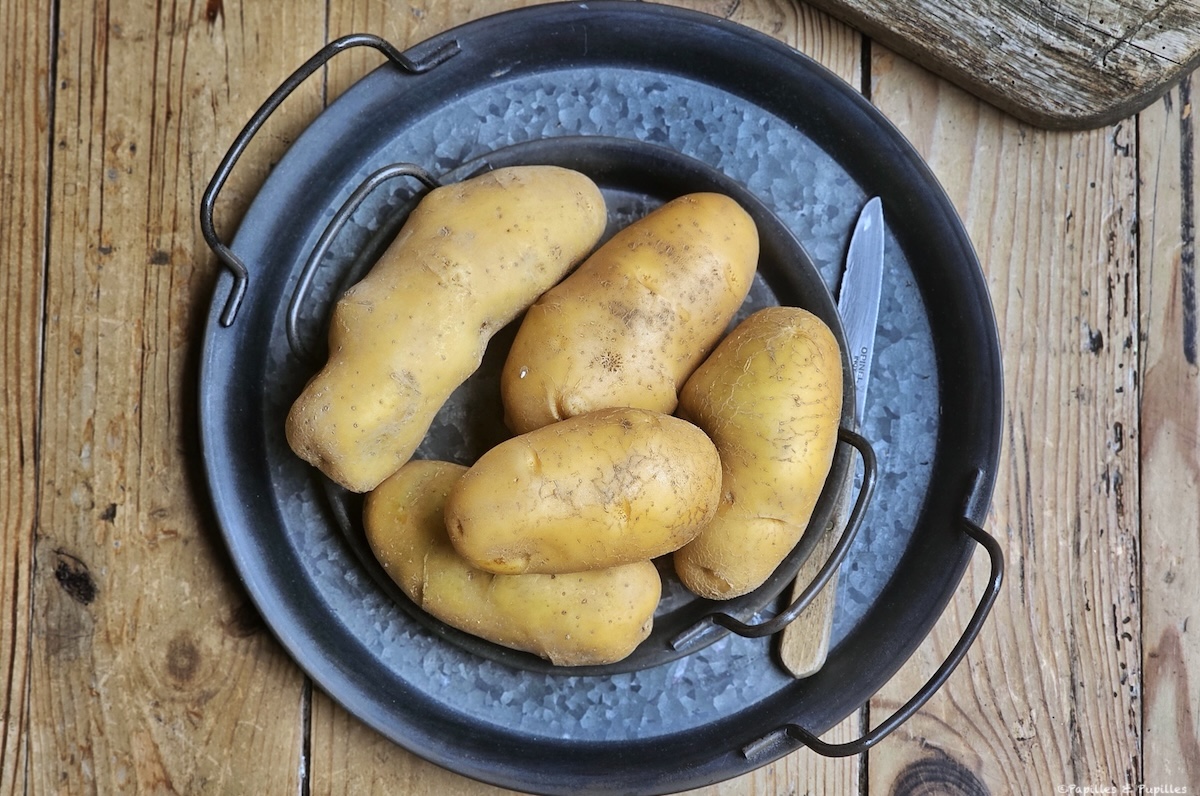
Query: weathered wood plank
[
  {"x": 1170, "y": 441},
  {"x": 149, "y": 665},
  {"x": 1048, "y": 695},
  {"x": 1071, "y": 65},
  {"x": 25, "y": 83},
  {"x": 131, "y": 661}
]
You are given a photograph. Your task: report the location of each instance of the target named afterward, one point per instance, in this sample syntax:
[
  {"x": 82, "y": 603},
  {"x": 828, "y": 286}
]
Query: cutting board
[{"x": 1059, "y": 64}]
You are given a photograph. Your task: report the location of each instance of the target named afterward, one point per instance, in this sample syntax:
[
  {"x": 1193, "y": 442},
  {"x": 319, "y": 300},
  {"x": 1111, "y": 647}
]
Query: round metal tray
[{"x": 811, "y": 150}]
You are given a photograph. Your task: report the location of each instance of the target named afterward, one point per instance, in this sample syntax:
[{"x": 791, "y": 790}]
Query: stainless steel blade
[
  {"x": 858, "y": 297},
  {"x": 804, "y": 644}
]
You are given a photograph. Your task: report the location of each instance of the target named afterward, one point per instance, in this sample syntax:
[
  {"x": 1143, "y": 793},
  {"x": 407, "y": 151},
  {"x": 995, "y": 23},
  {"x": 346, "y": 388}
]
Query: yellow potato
[
  {"x": 585, "y": 618},
  {"x": 470, "y": 258},
  {"x": 770, "y": 396},
  {"x": 597, "y": 490},
  {"x": 635, "y": 319}
]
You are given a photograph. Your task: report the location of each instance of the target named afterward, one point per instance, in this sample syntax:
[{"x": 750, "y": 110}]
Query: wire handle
[
  {"x": 777, "y": 623},
  {"x": 335, "y": 226},
  {"x": 695, "y": 635},
  {"x": 209, "y": 199},
  {"x": 982, "y": 609}
]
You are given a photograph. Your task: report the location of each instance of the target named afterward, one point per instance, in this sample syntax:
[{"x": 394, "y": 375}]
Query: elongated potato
[
  {"x": 584, "y": 618},
  {"x": 597, "y": 490},
  {"x": 770, "y": 396},
  {"x": 634, "y": 320},
  {"x": 471, "y": 257}
]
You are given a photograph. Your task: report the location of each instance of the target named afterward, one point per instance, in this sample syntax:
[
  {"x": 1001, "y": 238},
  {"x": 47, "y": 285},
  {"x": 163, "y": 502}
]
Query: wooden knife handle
[{"x": 804, "y": 644}]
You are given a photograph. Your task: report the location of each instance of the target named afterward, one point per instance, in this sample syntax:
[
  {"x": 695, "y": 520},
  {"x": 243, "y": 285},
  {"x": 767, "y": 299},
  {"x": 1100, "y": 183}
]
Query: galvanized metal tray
[{"x": 810, "y": 150}]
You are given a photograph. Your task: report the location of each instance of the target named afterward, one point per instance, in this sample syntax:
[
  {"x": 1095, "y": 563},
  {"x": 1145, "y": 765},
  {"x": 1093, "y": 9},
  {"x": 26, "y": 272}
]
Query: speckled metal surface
[
  {"x": 350, "y": 634},
  {"x": 634, "y": 176}
]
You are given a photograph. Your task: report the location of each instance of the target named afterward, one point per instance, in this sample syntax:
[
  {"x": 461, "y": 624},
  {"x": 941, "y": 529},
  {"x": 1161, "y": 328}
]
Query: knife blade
[
  {"x": 858, "y": 297},
  {"x": 804, "y": 644}
]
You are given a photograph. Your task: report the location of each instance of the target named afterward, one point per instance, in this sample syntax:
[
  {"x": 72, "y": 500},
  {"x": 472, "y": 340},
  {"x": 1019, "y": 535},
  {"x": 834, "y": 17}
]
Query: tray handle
[
  {"x": 776, "y": 623},
  {"x": 335, "y": 226},
  {"x": 209, "y": 199},
  {"x": 935, "y": 682}
]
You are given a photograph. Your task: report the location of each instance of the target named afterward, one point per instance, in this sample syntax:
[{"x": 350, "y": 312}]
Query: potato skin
[
  {"x": 470, "y": 258},
  {"x": 586, "y": 618},
  {"x": 770, "y": 397},
  {"x": 596, "y": 490},
  {"x": 635, "y": 319}
]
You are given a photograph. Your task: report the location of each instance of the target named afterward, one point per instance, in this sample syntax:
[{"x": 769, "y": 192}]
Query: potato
[
  {"x": 601, "y": 489},
  {"x": 578, "y": 619},
  {"x": 470, "y": 258},
  {"x": 635, "y": 319},
  {"x": 770, "y": 397}
]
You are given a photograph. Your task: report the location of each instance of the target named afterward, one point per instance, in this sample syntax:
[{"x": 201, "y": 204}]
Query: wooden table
[{"x": 130, "y": 657}]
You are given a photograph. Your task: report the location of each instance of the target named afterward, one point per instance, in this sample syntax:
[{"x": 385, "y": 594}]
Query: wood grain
[
  {"x": 1048, "y": 696},
  {"x": 148, "y": 663},
  {"x": 130, "y": 658},
  {"x": 803, "y": 645},
  {"x": 1170, "y": 440},
  {"x": 1064, "y": 65},
  {"x": 26, "y": 72}
]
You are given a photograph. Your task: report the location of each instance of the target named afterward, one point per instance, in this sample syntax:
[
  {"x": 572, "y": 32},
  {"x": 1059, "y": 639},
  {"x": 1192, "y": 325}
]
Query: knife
[{"x": 804, "y": 644}]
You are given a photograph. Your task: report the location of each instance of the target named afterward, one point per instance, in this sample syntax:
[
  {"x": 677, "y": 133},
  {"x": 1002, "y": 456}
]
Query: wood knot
[
  {"x": 75, "y": 578},
  {"x": 183, "y": 658},
  {"x": 214, "y": 10},
  {"x": 938, "y": 776}
]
